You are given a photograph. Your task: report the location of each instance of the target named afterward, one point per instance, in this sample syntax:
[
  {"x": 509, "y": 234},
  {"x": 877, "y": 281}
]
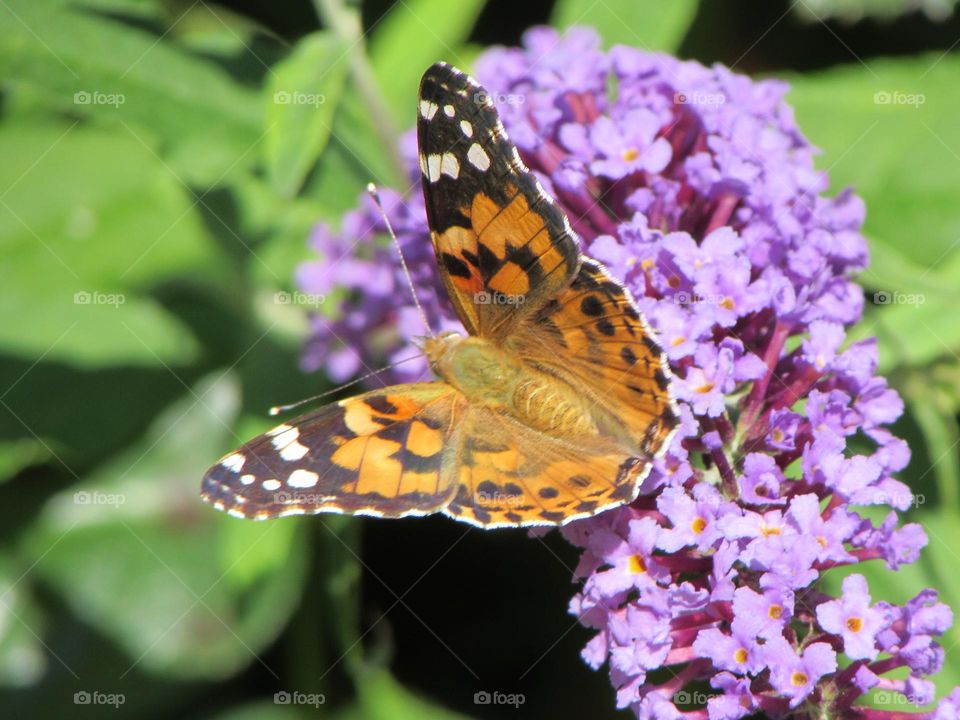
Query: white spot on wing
[
  {"x": 449, "y": 111},
  {"x": 450, "y": 165},
  {"x": 247, "y": 479},
  {"x": 433, "y": 168},
  {"x": 466, "y": 128},
  {"x": 271, "y": 484},
  {"x": 294, "y": 451},
  {"x": 478, "y": 157},
  {"x": 428, "y": 109},
  {"x": 286, "y": 437},
  {"x": 234, "y": 462},
  {"x": 301, "y": 478},
  {"x": 278, "y": 430}
]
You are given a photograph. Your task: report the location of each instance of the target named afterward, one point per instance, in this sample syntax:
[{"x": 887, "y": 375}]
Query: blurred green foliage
[{"x": 163, "y": 163}]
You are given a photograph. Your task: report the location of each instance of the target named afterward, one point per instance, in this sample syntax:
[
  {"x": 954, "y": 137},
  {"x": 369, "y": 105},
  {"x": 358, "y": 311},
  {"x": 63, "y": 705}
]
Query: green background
[{"x": 144, "y": 156}]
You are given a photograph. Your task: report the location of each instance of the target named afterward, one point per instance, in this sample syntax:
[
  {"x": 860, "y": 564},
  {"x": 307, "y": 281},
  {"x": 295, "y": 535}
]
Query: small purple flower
[
  {"x": 622, "y": 146},
  {"x": 693, "y": 520},
  {"x": 852, "y": 618},
  {"x": 764, "y": 614},
  {"x": 739, "y": 652},
  {"x": 795, "y": 676}
]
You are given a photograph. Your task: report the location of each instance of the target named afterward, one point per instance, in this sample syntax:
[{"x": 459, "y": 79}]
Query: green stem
[{"x": 345, "y": 22}]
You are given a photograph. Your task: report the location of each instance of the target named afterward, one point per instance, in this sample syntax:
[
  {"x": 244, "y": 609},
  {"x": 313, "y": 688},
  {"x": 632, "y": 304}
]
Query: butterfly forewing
[{"x": 503, "y": 246}]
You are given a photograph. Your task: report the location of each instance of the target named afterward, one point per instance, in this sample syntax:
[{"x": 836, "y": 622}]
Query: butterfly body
[
  {"x": 494, "y": 377},
  {"x": 553, "y": 405}
]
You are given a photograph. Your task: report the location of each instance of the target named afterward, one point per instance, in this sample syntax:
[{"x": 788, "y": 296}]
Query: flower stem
[{"x": 345, "y": 23}]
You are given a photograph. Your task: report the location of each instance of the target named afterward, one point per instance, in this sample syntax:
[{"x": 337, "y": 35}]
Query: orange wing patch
[{"x": 506, "y": 265}]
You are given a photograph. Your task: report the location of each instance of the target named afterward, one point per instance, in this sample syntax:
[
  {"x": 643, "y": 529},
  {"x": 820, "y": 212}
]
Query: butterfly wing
[
  {"x": 510, "y": 475},
  {"x": 503, "y": 246},
  {"x": 592, "y": 337},
  {"x": 381, "y": 453}
]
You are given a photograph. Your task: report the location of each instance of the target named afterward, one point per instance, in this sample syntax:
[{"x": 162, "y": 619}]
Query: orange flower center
[
  {"x": 799, "y": 679},
  {"x": 698, "y": 525},
  {"x": 630, "y": 154},
  {"x": 855, "y": 624},
  {"x": 637, "y": 565},
  {"x": 775, "y": 612}
]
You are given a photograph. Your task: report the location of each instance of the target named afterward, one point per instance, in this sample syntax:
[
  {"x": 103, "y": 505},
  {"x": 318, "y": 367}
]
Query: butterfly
[{"x": 552, "y": 408}]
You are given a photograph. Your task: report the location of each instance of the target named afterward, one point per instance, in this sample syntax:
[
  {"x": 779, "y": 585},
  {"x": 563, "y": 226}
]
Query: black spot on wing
[
  {"x": 455, "y": 266},
  {"x": 591, "y": 306}
]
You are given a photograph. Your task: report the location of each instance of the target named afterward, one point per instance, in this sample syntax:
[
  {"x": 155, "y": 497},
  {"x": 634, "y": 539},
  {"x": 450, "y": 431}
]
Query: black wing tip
[{"x": 442, "y": 78}]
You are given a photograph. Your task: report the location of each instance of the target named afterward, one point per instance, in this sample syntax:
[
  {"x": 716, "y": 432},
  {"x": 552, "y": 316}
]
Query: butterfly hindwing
[
  {"x": 512, "y": 475},
  {"x": 381, "y": 453},
  {"x": 593, "y": 337},
  {"x": 503, "y": 246}
]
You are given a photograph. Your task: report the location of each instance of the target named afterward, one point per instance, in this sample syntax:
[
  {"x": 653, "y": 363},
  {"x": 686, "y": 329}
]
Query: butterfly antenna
[
  {"x": 372, "y": 191},
  {"x": 276, "y": 410}
]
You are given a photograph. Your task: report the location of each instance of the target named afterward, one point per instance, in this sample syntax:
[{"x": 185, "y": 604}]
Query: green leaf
[
  {"x": 414, "y": 35},
  {"x": 889, "y": 130},
  {"x": 381, "y": 697},
  {"x": 90, "y": 221},
  {"x": 23, "y": 660},
  {"x": 302, "y": 96},
  {"x": 647, "y": 24},
  {"x": 936, "y": 413},
  {"x": 136, "y": 81},
  {"x": 178, "y": 592},
  {"x": 851, "y": 11},
  {"x": 18, "y": 454}
]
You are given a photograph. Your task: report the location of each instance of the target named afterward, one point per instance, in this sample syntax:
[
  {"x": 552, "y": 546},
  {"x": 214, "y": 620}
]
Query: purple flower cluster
[{"x": 695, "y": 186}]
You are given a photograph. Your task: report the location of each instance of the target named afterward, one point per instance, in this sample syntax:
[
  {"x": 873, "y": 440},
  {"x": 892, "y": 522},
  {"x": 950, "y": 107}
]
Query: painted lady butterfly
[{"x": 551, "y": 409}]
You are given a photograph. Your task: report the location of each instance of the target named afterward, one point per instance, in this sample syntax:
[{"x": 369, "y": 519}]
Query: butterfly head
[{"x": 436, "y": 347}]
